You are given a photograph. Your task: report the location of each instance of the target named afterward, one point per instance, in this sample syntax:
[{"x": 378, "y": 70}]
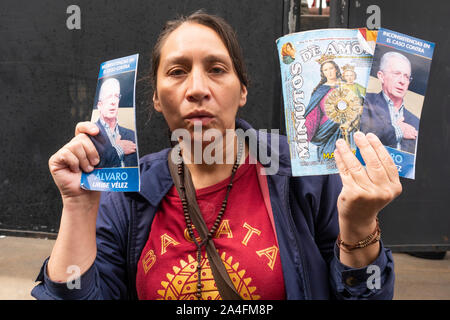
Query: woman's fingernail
[
  {"x": 371, "y": 136},
  {"x": 359, "y": 135}
]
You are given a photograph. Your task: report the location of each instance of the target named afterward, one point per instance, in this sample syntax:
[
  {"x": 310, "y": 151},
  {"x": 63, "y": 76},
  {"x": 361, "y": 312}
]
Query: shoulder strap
[{"x": 224, "y": 284}]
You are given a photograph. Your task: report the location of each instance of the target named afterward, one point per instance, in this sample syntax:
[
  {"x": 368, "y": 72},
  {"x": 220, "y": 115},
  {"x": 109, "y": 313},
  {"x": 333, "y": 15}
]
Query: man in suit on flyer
[
  {"x": 115, "y": 144},
  {"x": 384, "y": 113}
]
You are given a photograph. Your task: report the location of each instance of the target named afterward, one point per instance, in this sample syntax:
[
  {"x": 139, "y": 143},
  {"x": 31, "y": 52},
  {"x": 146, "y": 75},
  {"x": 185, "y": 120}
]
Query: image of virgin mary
[{"x": 322, "y": 131}]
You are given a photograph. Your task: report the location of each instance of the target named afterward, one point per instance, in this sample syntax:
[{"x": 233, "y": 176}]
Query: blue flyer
[
  {"x": 395, "y": 95},
  {"x": 114, "y": 114},
  {"x": 324, "y": 76}
]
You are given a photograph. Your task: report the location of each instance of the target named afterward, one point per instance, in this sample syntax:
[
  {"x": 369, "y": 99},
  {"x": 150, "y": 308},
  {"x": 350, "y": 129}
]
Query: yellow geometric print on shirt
[{"x": 182, "y": 284}]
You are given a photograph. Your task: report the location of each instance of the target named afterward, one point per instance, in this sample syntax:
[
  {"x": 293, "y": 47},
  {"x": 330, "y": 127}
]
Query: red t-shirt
[{"x": 245, "y": 241}]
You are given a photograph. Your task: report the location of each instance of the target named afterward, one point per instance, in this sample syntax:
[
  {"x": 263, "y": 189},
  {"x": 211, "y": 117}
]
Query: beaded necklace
[{"x": 218, "y": 220}]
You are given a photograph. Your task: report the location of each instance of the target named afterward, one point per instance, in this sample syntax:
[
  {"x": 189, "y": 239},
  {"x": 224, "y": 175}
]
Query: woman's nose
[{"x": 198, "y": 88}]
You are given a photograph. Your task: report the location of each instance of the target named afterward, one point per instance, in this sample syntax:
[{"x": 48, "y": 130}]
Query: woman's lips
[
  {"x": 203, "y": 119},
  {"x": 201, "y": 116}
]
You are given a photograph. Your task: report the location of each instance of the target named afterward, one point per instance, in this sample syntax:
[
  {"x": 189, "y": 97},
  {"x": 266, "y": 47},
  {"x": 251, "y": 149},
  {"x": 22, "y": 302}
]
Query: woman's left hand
[{"x": 365, "y": 190}]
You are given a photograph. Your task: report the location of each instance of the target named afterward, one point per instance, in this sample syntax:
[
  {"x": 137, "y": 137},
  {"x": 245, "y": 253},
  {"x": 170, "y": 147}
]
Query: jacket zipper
[
  {"x": 305, "y": 275},
  {"x": 130, "y": 259}
]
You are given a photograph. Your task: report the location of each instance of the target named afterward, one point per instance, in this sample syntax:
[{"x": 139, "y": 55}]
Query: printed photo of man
[
  {"x": 384, "y": 113},
  {"x": 115, "y": 144}
]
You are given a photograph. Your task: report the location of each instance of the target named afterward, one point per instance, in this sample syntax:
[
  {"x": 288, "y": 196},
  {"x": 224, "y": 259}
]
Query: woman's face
[
  {"x": 196, "y": 81},
  {"x": 329, "y": 71}
]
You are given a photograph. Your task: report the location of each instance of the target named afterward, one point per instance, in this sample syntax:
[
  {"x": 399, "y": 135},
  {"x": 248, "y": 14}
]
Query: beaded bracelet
[{"x": 374, "y": 237}]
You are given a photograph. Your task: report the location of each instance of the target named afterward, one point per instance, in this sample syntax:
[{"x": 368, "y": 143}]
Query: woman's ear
[
  {"x": 156, "y": 103},
  {"x": 243, "y": 99}
]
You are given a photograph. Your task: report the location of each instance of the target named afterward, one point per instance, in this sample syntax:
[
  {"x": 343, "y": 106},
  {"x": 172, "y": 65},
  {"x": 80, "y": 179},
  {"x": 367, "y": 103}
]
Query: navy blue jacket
[
  {"x": 306, "y": 223},
  {"x": 108, "y": 154},
  {"x": 376, "y": 119}
]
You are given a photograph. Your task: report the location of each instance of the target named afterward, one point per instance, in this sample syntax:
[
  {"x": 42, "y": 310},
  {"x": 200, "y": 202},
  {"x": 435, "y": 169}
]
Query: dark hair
[
  {"x": 323, "y": 79},
  {"x": 219, "y": 25}
]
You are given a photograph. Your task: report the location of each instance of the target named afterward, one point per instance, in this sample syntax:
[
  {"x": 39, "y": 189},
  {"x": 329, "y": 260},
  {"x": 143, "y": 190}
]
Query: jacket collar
[
  {"x": 154, "y": 170},
  {"x": 268, "y": 143}
]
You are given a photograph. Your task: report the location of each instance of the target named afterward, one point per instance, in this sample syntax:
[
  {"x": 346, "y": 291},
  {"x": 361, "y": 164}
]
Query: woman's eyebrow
[
  {"x": 217, "y": 58},
  {"x": 177, "y": 60},
  {"x": 209, "y": 59}
]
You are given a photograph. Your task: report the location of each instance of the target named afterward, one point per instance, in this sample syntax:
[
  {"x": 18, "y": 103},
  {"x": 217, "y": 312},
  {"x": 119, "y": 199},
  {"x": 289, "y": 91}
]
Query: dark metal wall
[
  {"x": 48, "y": 76},
  {"x": 420, "y": 218}
]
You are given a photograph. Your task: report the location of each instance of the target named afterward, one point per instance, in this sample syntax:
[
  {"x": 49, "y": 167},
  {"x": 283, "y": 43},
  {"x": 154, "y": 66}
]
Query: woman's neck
[{"x": 212, "y": 171}]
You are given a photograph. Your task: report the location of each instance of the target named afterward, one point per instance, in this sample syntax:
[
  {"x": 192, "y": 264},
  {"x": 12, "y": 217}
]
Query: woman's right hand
[
  {"x": 75, "y": 244},
  {"x": 67, "y": 164}
]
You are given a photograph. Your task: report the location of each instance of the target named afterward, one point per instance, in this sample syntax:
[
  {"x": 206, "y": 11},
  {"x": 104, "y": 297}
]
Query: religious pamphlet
[
  {"x": 114, "y": 115},
  {"x": 324, "y": 78},
  {"x": 395, "y": 95}
]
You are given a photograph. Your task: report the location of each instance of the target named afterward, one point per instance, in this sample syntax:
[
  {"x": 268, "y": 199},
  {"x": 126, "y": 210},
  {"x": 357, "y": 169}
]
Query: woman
[
  {"x": 322, "y": 131},
  {"x": 276, "y": 234}
]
